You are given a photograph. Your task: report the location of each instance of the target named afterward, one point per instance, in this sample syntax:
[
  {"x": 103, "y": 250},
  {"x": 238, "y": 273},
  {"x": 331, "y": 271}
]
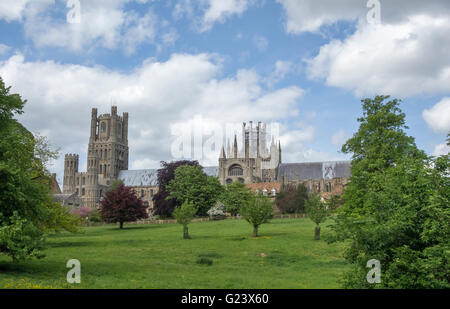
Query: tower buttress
[
  {"x": 70, "y": 171},
  {"x": 93, "y": 125}
]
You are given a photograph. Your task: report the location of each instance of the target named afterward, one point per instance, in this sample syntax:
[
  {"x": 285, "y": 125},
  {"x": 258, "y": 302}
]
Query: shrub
[{"x": 217, "y": 212}]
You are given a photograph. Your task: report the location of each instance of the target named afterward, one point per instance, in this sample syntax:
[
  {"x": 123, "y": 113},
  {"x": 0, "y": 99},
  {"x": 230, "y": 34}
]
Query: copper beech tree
[{"x": 122, "y": 205}]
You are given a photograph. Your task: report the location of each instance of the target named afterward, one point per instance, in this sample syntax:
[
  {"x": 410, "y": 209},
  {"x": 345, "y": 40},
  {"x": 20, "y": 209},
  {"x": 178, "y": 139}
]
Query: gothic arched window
[
  {"x": 235, "y": 170},
  {"x": 103, "y": 127}
]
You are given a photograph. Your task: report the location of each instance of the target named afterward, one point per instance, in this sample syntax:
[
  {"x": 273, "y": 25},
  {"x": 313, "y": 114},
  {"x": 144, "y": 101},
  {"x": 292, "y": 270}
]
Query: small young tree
[
  {"x": 256, "y": 211},
  {"x": 122, "y": 205},
  {"x": 184, "y": 215},
  {"x": 317, "y": 212},
  {"x": 234, "y": 196}
]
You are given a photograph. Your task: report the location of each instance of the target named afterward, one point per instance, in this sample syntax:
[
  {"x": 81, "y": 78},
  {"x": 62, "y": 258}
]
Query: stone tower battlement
[{"x": 107, "y": 154}]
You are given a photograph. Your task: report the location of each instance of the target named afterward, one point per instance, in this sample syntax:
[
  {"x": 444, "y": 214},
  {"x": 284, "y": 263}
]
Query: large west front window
[{"x": 235, "y": 170}]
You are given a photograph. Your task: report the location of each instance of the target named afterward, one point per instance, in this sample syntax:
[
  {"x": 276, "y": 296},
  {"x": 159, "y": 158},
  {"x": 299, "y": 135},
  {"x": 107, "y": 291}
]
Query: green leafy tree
[
  {"x": 396, "y": 204},
  {"x": 234, "y": 196},
  {"x": 191, "y": 183},
  {"x": 27, "y": 212},
  {"x": 258, "y": 210},
  {"x": 333, "y": 203},
  {"x": 317, "y": 212},
  {"x": 184, "y": 215},
  {"x": 292, "y": 199}
]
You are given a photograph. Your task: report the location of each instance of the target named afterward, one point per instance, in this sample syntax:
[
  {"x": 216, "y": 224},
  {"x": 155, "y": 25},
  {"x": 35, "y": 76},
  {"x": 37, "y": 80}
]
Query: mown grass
[{"x": 156, "y": 256}]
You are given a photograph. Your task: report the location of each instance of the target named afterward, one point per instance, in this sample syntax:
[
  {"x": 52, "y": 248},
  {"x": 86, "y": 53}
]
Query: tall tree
[
  {"x": 396, "y": 204},
  {"x": 163, "y": 206},
  {"x": 27, "y": 211},
  {"x": 122, "y": 205},
  {"x": 192, "y": 184}
]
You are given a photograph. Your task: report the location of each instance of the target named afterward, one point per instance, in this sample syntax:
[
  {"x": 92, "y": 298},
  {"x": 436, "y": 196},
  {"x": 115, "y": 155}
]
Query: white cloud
[
  {"x": 438, "y": 117},
  {"x": 310, "y": 15},
  {"x": 12, "y": 10},
  {"x": 441, "y": 149},
  {"x": 206, "y": 13},
  {"x": 282, "y": 68},
  {"x": 104, "y": 23},
  {"x": 220, "y": 10},
  {"x": 339, "y": 138},
  {"x": 156, "y": 95},
  {"x": 401, "y": 59},
  {"x": 4, "y": 49}
]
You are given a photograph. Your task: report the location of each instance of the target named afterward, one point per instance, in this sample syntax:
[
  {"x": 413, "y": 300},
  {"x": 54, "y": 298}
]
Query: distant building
[{"x": 255, "y": 163}]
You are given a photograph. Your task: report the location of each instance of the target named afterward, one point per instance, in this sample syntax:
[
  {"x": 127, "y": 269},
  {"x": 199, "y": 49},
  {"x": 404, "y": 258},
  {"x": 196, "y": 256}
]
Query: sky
[{"x": 174, "y": 65}]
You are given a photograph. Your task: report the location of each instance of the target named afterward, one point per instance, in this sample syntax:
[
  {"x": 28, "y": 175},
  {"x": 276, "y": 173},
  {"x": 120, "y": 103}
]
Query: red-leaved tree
[{"x": 122, "y": 205}]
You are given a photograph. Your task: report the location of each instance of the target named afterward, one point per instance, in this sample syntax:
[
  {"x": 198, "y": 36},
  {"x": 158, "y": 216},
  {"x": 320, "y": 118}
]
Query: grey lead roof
[
  {"x": 139, "y": 178},
  {"x": 211, "y": 171},
  {"x": 314, "y": 170},
  {"x": 149, "y": 178}
]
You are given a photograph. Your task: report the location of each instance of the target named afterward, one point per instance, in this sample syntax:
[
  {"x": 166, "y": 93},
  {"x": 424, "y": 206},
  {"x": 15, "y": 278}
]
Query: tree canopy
[
  {"x": 234, "y": 196},
  {"x": 122, "y": 205},
  {"x": 292, "y": 199},
  {"x": 27, "y": 211},
  {"x": 192, "y": 184},
  {"x": 396, "y": 204},
  {"x": 163, "y": 206},
  {"x": 258, "y": 210}
]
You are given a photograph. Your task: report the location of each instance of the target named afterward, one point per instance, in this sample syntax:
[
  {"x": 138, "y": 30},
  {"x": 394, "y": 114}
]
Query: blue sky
[{"x": 302, "y": 63}]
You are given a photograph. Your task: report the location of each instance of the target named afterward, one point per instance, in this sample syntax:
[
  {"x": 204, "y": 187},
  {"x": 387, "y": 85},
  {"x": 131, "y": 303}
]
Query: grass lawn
[{"x": 157, "y": 256}]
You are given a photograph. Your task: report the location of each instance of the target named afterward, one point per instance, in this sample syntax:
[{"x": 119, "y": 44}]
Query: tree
[
  {"x": 191, "y": 183},
  {"x": 317, "y": 212},
  {"x": 396, "y": 204},
  {"x": 122, "y": 205},
  {"x": 27, "y": 212},
  {"x": 333, "y": 203},
  {"x": 234, "y": 196},
  {"x": 163, "y": 206},
  {"x": 292, "y": 199},
  {"x": 256, "y": 211},
  {"x": 184, "y": 215}
]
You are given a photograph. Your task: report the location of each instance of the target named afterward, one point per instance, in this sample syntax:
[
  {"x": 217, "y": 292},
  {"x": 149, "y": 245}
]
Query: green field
[{"x": 156, "y": 256}]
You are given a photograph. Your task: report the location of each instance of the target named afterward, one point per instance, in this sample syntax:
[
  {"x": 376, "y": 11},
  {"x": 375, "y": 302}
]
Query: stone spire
[{"x": 235, "y": 147}]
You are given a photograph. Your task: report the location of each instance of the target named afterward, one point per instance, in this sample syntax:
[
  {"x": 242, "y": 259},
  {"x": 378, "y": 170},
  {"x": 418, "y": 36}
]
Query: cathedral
[{"x": 256, "y": 164}]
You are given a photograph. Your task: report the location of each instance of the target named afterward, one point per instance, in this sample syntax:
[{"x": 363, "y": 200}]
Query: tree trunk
[
  {"x": 317, "y": 233},
  {"x": 121, "y": 224},
  {"x": 255, "y": 231},
  {"x": 186, "y": 232}
]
